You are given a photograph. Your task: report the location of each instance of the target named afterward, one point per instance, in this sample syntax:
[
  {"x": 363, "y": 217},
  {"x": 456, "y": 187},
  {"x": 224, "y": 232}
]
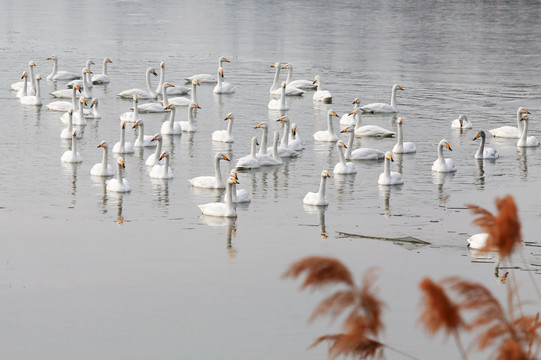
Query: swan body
[
  {"x": 119, "y": 184},
  {"x": 94, "y": 113},
  {"x": 154, "y": 107},
  {"x": 266, "y": 160},
  {"x": 250, "y": 161},
  {"x": 347, "y": 119},
  {"x": 368, "y": 130},
  {"x": 72, "y": 156},
  {"x": 23, "y": 91},
  {"x": 212, "y": 182},
  {"x": 223, "y": 87},
  {"x": 103, "y": 78},
  {"x": 383, "y": 107},
  {"x": 177, "y": 90},
  {"x": 284, "y": 150},
  {"x": 321, "y": 95},
  {"x": 343, "y": 167},
  {"x": 279, "y": 104},
  {"x": 442, "y": 164},
  {"x": 319, "y": 198},
  {"x": 299, "y": 84},
  {"x": 206, "y": 78},
  {"x": 30, "y": 77},
  {"x": 68, "y": 93},
  {"x": 525, "y": 140},
  {"x": 60, "y": 75},
  {"x": 171, "y": 127},
  {"x": 511, "y": 132},
  {"x": 225, "y": 135},
  {"x": 295, "y": 141},
  {"x": 78, "y": 117},
  {"x": 189, "y": 126},
  {"x": 402, "y": 147},
  {"x": 329, "y": 134},
  {"x": 67, "y": 133},
  {"x": 123, "y": 146},
  {"x": 478, "y": 241},
  {"x": 142, "y": 140},
  {"x": 154, "y": 159},
  {"x": 102, "y": 168},
  {"x": 65, "y": 105},
  {"x": 461, "y": 123},
  {"x": 182, "y": 101},
  {"x": 484, "y": 152},
  {"x": 388, "y": 177},
  {"x": 275, "y": 89},
  {"x": 225, "y": 209},
  {"x": 33, "y": 100},
  {"x": 360, "y": 153},
  {"x": 142, "y": 94},
  {"x": 162, "y": 171},
  {"x": 131, "y": 116}
]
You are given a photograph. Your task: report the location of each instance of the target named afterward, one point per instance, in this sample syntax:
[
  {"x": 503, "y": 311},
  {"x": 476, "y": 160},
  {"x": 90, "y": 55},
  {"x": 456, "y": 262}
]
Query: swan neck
[
  {"x": 104, "y": 163},
  {"x": 357, "y": 120},
  {"x": 38, "y": 91},
  {"x": 230, "y": 126},
  {"x": 165, "y": 98},
  {"x": 341, "y": 154},
  {"x": 135, "y": 111},
  {"x": 194, "y": 91},
  {"x": 400, "y": 141},
  {"x": 149, "y": 88},
  {"x": 524, "y": 135},
  {"x": 33, "y": 81},
  {"x": 285, "y": 136},
  {"x": 191, "y": 110},
  {"x": 440, "y": 153},
  {"x": 275, "y": 149},
  {"x": 122, "y": 136},
  {"x": 351, "y": 135},
  {"x": 104, "y": 67},
  {"x": 119, "y": 173},
  {"x": 70, "y": 123},
  {"x": 519, "y": 122},
  {"x": 283, "y": 98},
  {"x": 276, "y": 77},
  {"x": 74, "y": 97},
  {"x": 217, "y": 171},
  {"x": 219, "y": 79},
  {"x": 321, "y": 192},
  {"x": 140, "y": 133},
  {"x": 229, "y": 198},
  {"x": 55, "y": 68},
  {"x": 329, "y": 124},
  {"x": 264, "y": 140},
  {"x": 393, "y": 97},
  {"x": 387, "y": 167},
  {"x": 254, "y": 148},
  {"x": 481, "y": 148},
  {"x": 289, "y": 74},
  {"x": 161, "y": 82},
  {"x": 74, "y": 144}
]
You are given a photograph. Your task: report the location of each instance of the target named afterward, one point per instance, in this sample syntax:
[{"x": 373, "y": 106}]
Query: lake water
[{"x": 90, "y": 275}]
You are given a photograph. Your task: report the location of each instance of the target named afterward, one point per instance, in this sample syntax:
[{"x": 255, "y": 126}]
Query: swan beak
[
  {"x": 399, "y": 121},
  {"x": 196, "y": 82},
  {"x": 400, "y": 88},
  {"x": 356, "y": 101},
  {"x": 109, "y": 61},
  {"x": 170, "y": 85},
  {"x": 227, "y": 117},
  {"x": 351, "y": 112},
  {"x": 79, "y": 88},
  {"x": 49, "y": 58},
  {"x": 222, "y": 73},
  {"x": 24, "y": 75},
  {"x": 162, "y": 156},
  {"x": 525, "y": 111},
  {"x": 294, "y": 131},
  {"x": 235, "y": 181},
  {"x": 88, "y": 71},
  {"x": 344, "y": 131},
  {"x": 448, "y": 146},
  {"x": 391, "y": 158},
  {"x": 154, "y": 72},
  {"x": 122, "y": 163},
  {"x": 476, "y": 137},
  {"x": 135, "y": 125},
  {"x": 257, "y": 143},
  {"x": 225, "y": 158},
  {"x": 123, "y": 125},
  {"x": 344, "y": 146},
  {"x": 168, "y": 107},
  {"x": 100, "y": 145},
  {"x": 335, "y": 114},
  {"x": 84, "y": 101},
  {"x": 235, "y": 175},
  {"x": 315, "y": 81},
  {"x": 197, "y": 106},
  {"x": 285, "y": 66},
  {"x": 74, "y": 133},
  {"x": 524, "y": 117},
  {"x": 326, "y": 174},
  {"x": 93, "y": 103}
]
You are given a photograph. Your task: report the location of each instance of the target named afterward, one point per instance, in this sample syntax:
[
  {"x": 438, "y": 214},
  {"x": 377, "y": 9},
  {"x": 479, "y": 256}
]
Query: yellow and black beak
[
  {"x": 225, "y": 158},
  {"x": 448, "y": 146}
]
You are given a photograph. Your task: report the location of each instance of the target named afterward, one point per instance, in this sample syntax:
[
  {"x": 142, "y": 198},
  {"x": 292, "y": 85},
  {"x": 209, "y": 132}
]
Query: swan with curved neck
[
  {"x": 225, "y": 209},
  {"x": 484, "y": 152},
  {"x": 30, "y": 76},
  {"x": 103, "y": 168},
  {"x": 402, "y": 147},
  {"x": 299, "y": 84},
  {"x": 177, "y": 90},
  {"x": 225, "y": 135},
  {"x": 360, "y": 153},
  {"x": 388, "y": 177},
  {"x": 189, "y": 126},
  {"x": 123, "y": 146},
  {"x": 170, "y": 126},
  {"x": 60, "y": 75},
  {"x": 343, "y": 167},
  {"x": 223, "y": 87},
  {"x": 511, "y": 132},
  {"x": 103, "y": 78},
  {"x": 383, "y": 107},
  {"x": 250, "y": 161},
  {"x": 157, "y": 106},
  {"x": 368, "y": 130},
  {"x": 212, "y": 182},
  {"x": 461, "y": 123},
  {"x": 142, "y": 94},
  {"x": 319, "y": 198},
  {"x": 321, "y": 95},
  {"x": 525, "y": 140},
  {"x": 119, "y": 184},
  {"x": 279, "y": 104},
  {"x": 284, "y": 150},
  {"x": 72, "y": 156},
  {"x": 94, "y": 113},
  {"x": 65, "y": 105},
  {"x": 154, "y": 158},
  {"x": 162, "y": 171},
  {"x": 329, "y": 134},
  {"x": 347, "y": 119},
  {"x": 142, "y": 140},
  {"x": 36, "y": 99},
  {"x": 207, "y": 78},
  {"x": 275, "y": 89},
  {"x": 24, "y": 90},
  {"x": 443, "y": 164},
  {"x": 295, "y": 142}
]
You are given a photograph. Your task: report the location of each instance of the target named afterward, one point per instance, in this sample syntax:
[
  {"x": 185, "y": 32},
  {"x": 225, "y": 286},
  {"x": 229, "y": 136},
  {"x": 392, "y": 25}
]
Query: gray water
[{"x": 86, "y": 274}]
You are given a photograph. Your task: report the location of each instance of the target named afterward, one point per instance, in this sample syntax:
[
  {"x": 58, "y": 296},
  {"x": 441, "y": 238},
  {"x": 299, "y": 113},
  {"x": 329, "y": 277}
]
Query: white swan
[
  {"x": 67, "y": 93},
  {"x": 511, "y": 132},
  {"x": 295, "y": 141},
  {"x": 72, "y": 156},
  {"x": 207, "y": 78},
  {"x": 62, "y": 105},
  {"x": 94, "y": 113},
  {"x": 156, "y": 106},
  {"x": 189, "y": 126},
  {"x": 402, "y": 147},
  {"x": 343, "y": 167},
  {"x": 319, "y": 198},
  {"x": 212, "y": 182},
  {"x": 119, "y": 184},
  {"x": 360, "y": 153},
  {"x": 275, "y": 159},
  {"x": 142, "y": 140},
  {"x": 171, "y": 127},
  {"x": 68, "y": 131},
  {"x": 225, "y": 209},
  {"x": 275, "y": 89},
  {"x": 525, "y": 140},
  {"x": 321, "y": 95},
  {"x": 250, "y": 161},
  {"x": 180, "y": 100},
  {"x": 299, "y": 84},
  {"x": 142, "y": 94},
  {"x": 442, "y": 164},
  {"x": 279, "y": 104},
  {"x": 177, "y": 90},
  {"x": 30, "y": 74},
  {"x": 263, "y": 150},
  {"x": 484, "y": 152},
  {"x": 24, "y": 90},
  {"x": 103, "y": 78},
  {"x": 347, "y": 119},
  {"x": 123, "y": 146},
  {"x": 461, "y": 123},
  {"x": 329, "y": 134},
  {"x": 33, "y": 100},
  {"x": 383, "y": 107},
  {"x": 131, "y": 116},
  {"x": 102, "y": 168},
  {"x": 478, "y": 241},
  {"x": 154, "y": 159},
  {"x": 284, "y": 150},
  {"x": 225, "y": 135},
  {"x": 368, "y": 130},
  {"x": 60, "y": 75},
  {"x": 223, "y": 87},
  {"x": 238, "y": 195},
  {"x": 162, "y": 171},
  {"x": 79, "y": 116},
  {"x": 388, "y": 177},
  {"x": 85, "y": 76}
]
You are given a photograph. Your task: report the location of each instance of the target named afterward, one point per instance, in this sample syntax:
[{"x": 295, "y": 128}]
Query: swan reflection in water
[
  {"x": 480, "y": 179},
  {"x": 230, "y": 230},
  {"x": 439, "y": 178},
  {"x": 522, "y": 162},
  {"x": 320, "y": 211},
  {"x": 385, "y": 192}
]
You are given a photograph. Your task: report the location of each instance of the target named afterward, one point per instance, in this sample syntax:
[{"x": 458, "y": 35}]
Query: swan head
[
  {"x": 356, "y": 101},
  {"x": 389, "y": 156},
  {"x": 316, "y": 79},
  {"x": 229, "y": 117},
  {"x": 87, "y": 70},
  {"x": 398, "y": 87},
  {"x": 103, "y": 144},
  {"x": 480, "y": 134},
  {"x": 74, "y": 134},
  {"x": 261, "y": 125},
  {"x": 135, "y": 99},
  {"x": 325, "y": 174},
  {"x": 38, "y": 77},
  {"x": 444, "y": 143},
  {"x": 108, "y": 60},
  {"x": 166, "y": 85},
  {"x": 287, "y": 66},
  {"x": 233, "y": 173},
  {"x": 399, "y": 121},
  {"x": 332, "y": 113},
  {"x": 70, "y": 112},
  {"x": 525, "y": 117},
  {"x": 138, "y": 123},
  {"x": 283, "y": 119},
  {"x": 221, "y": 156},
  {"x": 24, "y": 75},
  {"x": 194, "y": 106},
  {"x": 233, "y": 180},
  {"x": 170, "y": 107},
  {"x": 162, "y": 64},
  {"x": 152, "y": 71},
  {"x": 353, "y": 111},
  {"x": 89, "y": 62},
  {"x": 32, "y": 64},
  {"x": 196, "y": 82},
  {"x": 164, "y": 154},
  {"x": 348, "y": 129},
  {"x": 223, "y": 59},
  {"x": 284, "y": 85},
  {"x": 157, "y": 137},
  {"x": 294, "y": 129},
  {"x": 221, "y": 72},
  {"x": 78, "y": 88},
  {"x": 522, "y": 110},
  {"x": 276, "y": 65},
  {"x": 94, "y": 103},
  {"x": 52, "y": 57},
  {"x": 123, "y": 125},
  {"x": 341, "y": 144},
  {"x": 121, "y": 162},
  {"x": 82, "y": 101}
]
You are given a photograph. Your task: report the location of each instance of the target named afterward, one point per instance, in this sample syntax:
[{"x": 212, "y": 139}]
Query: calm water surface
[{"x": 168, "y": 283}]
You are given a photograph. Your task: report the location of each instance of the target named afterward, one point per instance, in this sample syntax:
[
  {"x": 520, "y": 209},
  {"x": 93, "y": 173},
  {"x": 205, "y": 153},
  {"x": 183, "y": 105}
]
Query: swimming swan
[
  {"x": 484, "y": 152},
  {"x": 238, "y": 195},
  {"x": 347, "y": 119},
  {"x": 388, "y": 177},
  {"x": 329, "y": 134},
  {"x": 170, "y": 126},
  {"x": 72, "y": 156},
  {"x": 189, "y": 126},
  {"x": 279, "y": 104},
  {"x": 162, "y": 171},
  {"x": 154, "y": 159},
  {"x": 131, "y": 116},
  {"x": 207, "y": 78},
  {"x": 212, "y": 182},
  {"x": 119, "y": 184},
  {"x": 225, "y": 209},
  {"x": 250, "y": 161},
  {"x": 68, "y": 131},
  {"x": 525, "y": 140},
  {"x": 62, "y": 105},
  {"x": 223, "y": 87},
  {"x": 368, "y": 130},
  {"x": 33, "y": 100},
  {"x": 461, "y": 123},
  {"x": 142, "y": 94},
  {"x": 511, "y": 132},
  {"x": 442, "y": 164},
  {"x": 30, "y": 74},
  {"x": 225, "y": 135},
  {"x": 321, "y": 95},
  {"x": 343, "y": 167},
  {"x": 123, "y": 146},
  {"x": 102, "y": 168},
  {"x": 402, "y": 147},
  {"x": 360, "y": 153},
  {"x": 79, "y": 116},
  {"x": 142, "y": 140},
  {"x": 275, "y": 89},
  {"x": 60, "y": 75},
  {"x": 157, "y": 106},
  {"x": 299, "y": 84},
  {"x": 319, "y": 198},
  {"x": 103, "y": 78},
  {"x": 177, "y": 90},
  {"x": 383, "y": 107}
]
